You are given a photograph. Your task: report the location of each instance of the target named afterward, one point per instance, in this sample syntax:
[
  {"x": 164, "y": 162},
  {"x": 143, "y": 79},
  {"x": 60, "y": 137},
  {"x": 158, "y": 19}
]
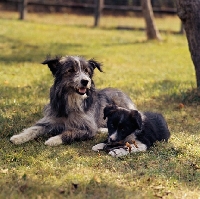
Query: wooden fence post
[
  {"x": 97, "y": 11},
  {"x": 23, "y": 9}
]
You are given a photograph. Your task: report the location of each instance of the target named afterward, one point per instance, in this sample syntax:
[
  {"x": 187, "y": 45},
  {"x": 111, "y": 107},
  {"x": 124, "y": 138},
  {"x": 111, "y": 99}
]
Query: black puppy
[{"x": 132, "y": 131}]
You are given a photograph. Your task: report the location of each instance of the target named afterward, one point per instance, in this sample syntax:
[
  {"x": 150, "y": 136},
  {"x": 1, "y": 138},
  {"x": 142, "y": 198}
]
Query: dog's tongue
[{"x": 82, "y": 90}]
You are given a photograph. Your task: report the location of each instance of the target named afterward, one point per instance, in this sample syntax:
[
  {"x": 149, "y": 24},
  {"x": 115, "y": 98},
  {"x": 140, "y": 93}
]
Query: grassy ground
[{"x": 157, "y": 76}]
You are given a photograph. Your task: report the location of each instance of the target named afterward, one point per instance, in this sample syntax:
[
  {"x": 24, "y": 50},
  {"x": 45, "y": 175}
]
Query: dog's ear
[
  {"x": 52, "y": 64},
  {"x": 136, "y": 118},
  {"x": 94, "y": 64},
  {"x": 109, "y": 110}
]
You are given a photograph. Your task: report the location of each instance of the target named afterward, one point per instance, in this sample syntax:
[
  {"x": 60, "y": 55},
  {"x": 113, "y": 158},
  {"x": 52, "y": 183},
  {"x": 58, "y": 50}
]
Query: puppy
[
  {"x": 75, "y": 110},
  {"x": 132, "y": 131}
]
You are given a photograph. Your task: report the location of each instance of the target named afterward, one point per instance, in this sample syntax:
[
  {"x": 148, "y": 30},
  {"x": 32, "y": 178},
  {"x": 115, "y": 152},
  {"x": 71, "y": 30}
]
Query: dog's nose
[{"x": 84, "y": 82}]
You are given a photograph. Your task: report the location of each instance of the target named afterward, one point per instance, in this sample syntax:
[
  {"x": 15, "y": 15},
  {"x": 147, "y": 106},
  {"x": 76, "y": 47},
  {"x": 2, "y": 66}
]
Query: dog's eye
[
  {"x": 122, "y": 129},
  {"x": 86, "y": 70},
  {"x": 71, "y": 70},
  {"x": 112, "y": 125}
]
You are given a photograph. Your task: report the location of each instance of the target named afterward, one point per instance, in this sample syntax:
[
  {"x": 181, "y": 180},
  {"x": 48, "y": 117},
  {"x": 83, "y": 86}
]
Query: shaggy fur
[
  {"x": 132, "y": 131},
  {"x": 75, "y": 111}
]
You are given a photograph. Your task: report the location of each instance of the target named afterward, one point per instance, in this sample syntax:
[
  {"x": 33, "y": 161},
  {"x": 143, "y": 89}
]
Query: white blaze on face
[
  {"x": 63, "y": 59},
  {"x": 81, "y": 75},
  {"x": 77, "y": 61},
  {"x": 113, "y": 137}
]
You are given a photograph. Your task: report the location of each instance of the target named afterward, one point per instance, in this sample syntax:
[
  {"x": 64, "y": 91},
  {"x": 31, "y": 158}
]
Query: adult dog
[
  {"x": 132, "y": 131},
  {"x": 75, "y": 111}
]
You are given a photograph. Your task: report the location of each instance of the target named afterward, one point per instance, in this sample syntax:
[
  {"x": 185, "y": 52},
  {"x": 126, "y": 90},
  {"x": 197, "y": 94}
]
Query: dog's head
[
  {"x": 121, "y": 122},
  {"x": 73, "y": 73}
]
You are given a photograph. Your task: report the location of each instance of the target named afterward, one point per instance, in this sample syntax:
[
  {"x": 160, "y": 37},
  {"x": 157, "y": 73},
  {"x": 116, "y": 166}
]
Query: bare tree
[
  {"x": 151, "y": 30},
  {"x": 182, "y": 31},
  {"x": 23, "y": 9},
  {"x": 188, "y": 12},
  {"x": 98, "y": 11}
]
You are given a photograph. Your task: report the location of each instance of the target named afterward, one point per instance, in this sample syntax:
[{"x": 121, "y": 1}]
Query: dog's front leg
[
  {"x": 102, "y": 130},
  {"x": 100, "y": 146},
  {"x": 69, "y": 136},
  {"x": 137, "y": 147},
  {"x": 119, "y": 152},
  {"x": 28, "y": 134}
]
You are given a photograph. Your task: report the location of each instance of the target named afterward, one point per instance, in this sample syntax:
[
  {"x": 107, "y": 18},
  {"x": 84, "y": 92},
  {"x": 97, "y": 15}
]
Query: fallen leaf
[
  {"x": 23, "y": 188},
  {"x": 75, "y": 185},
  {"x": 158, "y": 187},
  {"x": 195, "y": 166},
  {"x": 180, "y": 106},
  {"x": 4, "y": 171},
  {"x": 97, "y": 179},
  {"x": 61, "y": 191}
]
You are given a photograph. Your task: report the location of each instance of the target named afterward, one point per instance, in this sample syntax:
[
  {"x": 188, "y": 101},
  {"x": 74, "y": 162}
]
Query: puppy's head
[
  {"x": 121, "y": 122},
  {"x": 73, "y": 73}
]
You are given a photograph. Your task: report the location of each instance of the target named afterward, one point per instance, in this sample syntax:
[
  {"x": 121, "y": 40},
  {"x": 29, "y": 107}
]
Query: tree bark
[
  {"x": 182, "y": 31},
  {"x": 23, "y": 9},
  {"x": 188, "y": 12},
  {"x": 151, "y": 29},
  {"x": 98, "y": 11}
]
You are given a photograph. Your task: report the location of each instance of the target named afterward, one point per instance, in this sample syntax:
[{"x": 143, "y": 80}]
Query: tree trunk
[
  {"x": 98, "y": 11},
  {"x": 182, "y": 31},
  {"x": 151, "y": 30},
  {"x": 188, "y": 12},
  {"x": 23, "y": 9}
]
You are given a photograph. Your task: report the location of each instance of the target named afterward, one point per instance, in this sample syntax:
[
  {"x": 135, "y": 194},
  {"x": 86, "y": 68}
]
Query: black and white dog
[
  {"x": 132, "y": 131},
  {"x": 75, "y": 111}
]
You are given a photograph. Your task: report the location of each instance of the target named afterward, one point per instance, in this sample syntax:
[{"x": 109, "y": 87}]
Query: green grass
[{"x": 157, "y": 76}]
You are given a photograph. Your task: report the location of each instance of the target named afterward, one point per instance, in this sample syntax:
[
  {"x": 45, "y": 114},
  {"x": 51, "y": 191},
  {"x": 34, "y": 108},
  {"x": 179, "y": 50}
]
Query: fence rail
[
  {"x": 97, "y": 6},
  {"x": 92, "y": 6}
]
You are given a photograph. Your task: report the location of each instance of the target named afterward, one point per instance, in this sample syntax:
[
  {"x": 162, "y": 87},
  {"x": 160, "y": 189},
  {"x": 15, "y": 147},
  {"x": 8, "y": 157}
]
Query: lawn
[{"x": 158, "y": 76}]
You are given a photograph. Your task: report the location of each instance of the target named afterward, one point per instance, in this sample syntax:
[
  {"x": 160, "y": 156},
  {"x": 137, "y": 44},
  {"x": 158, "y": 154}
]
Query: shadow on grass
[
  {"x": 27, "y": 187},
  {"x": 161, "y": 156},
  {"x": 166, "y": 92},
  {"x": 161, "y": 163},
  {"x": 30, "y": 109},
  {"x": 189, "y": 97},
  {"x": 22, "y": 106},
  {"x": 25, "y": 52},
  {"x": 142, "y": 29}
]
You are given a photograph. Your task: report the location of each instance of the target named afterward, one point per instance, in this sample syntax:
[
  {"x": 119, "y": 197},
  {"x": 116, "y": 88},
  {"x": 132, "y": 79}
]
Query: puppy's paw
[
  {"x": 98, "y": 147},
  {"x": 118, "y": 152},
  {"x": 54, "y": 141}
]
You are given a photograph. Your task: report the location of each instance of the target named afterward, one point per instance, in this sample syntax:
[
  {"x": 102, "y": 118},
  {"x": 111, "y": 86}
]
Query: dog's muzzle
[{"x": 82, "y": 90}]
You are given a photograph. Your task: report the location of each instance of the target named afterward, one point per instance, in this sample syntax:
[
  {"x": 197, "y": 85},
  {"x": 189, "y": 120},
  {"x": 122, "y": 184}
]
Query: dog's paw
[
  {"x": 98, "y": 147},
  {"x": 19, "y": 139},
  {"x": 102, "y": 130},
  {"x": 54, "y": 141},
  {"x": 118, "y": 152}
]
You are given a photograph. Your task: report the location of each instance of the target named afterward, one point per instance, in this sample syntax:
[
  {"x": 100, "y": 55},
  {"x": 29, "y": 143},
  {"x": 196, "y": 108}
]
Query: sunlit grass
[{"x": 158, "y": 76}]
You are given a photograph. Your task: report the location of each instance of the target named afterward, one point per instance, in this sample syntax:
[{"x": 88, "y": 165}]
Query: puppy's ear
[
  {"x": 52, "y": 64},
  {"x": 109, "y": 110},
  {"x": 136, "y": 118},
  {"x": 94, "y": 64}
]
